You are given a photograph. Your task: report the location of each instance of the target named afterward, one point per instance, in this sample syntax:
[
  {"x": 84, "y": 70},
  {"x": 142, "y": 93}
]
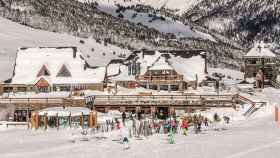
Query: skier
[
  {"x": 173, "y": 125},
  {"x": 184, "y": 126},
  {"x": 123, "y": 117},
  {"x": 206, "y": 122},
  {"x": 199, "y": 123},
  {"x": 118, "y": 124},
  {"x": 125, "y": 135},
  {"x": 226, "y": 121},
  {"x": 171, "y": 137},
  {"x": 195, "y": 123},
  {"x": 216, "y": 119}
]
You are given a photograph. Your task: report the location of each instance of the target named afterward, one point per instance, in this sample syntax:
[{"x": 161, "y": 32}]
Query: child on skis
[{"x": 125, "y": 135}]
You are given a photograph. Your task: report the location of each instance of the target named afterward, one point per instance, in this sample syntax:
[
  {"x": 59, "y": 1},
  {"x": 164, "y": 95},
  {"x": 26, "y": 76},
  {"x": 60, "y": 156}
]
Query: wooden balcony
[
  {"x": 161, "y": 100},
  {"x": 160, "y": 77}
]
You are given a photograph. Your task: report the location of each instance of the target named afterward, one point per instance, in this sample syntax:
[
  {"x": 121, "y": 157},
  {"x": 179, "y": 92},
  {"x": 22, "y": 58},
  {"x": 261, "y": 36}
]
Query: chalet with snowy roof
[
  {"x": 53, "y": 69},
  {"x": 160, "y": 70},
  {"x": 260, "y": 60}
]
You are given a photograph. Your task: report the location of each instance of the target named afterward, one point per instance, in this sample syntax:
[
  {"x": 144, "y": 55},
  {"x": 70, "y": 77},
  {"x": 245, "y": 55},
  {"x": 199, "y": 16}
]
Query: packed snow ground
[
  {"x": 13, "y": 36},
  {"x": 253, "y": 138},
  {"x": 246, "y": 137}
]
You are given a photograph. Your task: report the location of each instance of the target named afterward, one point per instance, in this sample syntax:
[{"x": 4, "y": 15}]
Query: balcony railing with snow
[
  {"x": 160, "y": 77},
  {"x": 162, "y": 100}
]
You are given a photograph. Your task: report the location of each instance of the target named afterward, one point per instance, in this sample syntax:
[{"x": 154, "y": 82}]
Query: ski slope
[
  {"x": 165, "y": 26},
  {"x": 13, "y": 36}
]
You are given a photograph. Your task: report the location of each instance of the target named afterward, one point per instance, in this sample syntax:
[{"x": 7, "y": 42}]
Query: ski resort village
[{"x": 139, "y": 79}]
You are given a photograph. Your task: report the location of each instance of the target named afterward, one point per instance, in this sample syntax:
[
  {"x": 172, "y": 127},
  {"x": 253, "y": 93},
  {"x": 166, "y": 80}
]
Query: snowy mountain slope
[
  {"x": 13, "y": 36},
  {"x": 86, "y": 20},
  {"x": 82, "y": 19},
  {"x": 153, "y": 20},
  {"x": 178, "y": 6},
  {"x": 243, "y": 21}
]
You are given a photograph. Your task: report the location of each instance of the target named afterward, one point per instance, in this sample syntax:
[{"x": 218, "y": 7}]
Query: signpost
[{"x": 276, "y": 116}]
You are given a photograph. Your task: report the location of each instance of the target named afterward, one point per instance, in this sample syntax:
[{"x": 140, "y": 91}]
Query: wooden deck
[
  {"x": 162, "y": 100},
  {"x": 133, "y": 101}
]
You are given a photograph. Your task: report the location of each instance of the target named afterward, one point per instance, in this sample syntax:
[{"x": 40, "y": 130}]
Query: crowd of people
[{"x": 142, "y": 126}]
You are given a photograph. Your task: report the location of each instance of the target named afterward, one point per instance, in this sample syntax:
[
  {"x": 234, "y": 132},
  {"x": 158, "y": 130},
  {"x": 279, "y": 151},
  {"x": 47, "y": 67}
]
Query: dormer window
[
  {"x": 44, "y": 71},
  {"x": 63, "y": 72}
]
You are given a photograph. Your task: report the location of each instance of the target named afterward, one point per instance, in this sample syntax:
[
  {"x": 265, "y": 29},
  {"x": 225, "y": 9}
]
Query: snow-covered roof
[
  {"x": 64, "y": 111},
  {"x": 30, "y": 61},
  {"x": 123, "y": 76},
  {"x": 260, "y": 50},
  {"x": 189, "y": 66},
  {"x": 161, "y": 64}
]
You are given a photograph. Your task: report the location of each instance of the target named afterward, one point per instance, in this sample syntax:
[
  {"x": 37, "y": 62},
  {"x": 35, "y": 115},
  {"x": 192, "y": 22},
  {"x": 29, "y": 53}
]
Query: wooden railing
[
  {"x": 31, "y": 100},
  {"x": 159, "y": 77},
  {"x": 253, "y": 104},
  {"x": 275, "y": 84},
  {"x": 161, "y": 100},
  {"x": 8, "y": 124}
]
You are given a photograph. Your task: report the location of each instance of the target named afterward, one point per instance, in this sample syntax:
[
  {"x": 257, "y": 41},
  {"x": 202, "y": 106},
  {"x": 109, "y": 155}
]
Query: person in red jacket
[{"x": 184, "y": 126}]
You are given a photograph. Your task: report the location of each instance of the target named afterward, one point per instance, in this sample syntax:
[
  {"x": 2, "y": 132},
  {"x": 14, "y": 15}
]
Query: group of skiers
[{"x": 128, "y": 126}]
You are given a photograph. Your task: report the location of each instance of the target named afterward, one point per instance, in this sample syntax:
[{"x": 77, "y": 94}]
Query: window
[
  {"x": 21, "y": 89},
  {"x": 42, "y": 83},
  {"x": 43, "y": 71},
  {"x": 8, "y": 89},
  {"x": 63, "y": 72},
  {"x": 65, "y": 88}
]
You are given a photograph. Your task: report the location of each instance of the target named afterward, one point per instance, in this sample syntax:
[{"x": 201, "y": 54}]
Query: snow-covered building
[
  {"x": 46, "y": 69},
  {"x": 174, "y": 70},
  {"x": 260, "y": 59}
]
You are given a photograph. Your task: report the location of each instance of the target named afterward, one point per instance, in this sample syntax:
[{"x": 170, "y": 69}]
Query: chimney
[
  {"x": 85, "y": 65},
  {"x": 260, "y": 48},
  {"x": 261, "y": 45},
  {"x": 74, "y": 52},
  {"x": 204, "y": 54}
]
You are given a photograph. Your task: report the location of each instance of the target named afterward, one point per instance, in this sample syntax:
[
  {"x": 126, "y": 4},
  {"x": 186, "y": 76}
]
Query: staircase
[
  {"x": 255, "y": 106},
  {"x": 253, "y": 109},
  {"x": 275, "y": 84}
]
